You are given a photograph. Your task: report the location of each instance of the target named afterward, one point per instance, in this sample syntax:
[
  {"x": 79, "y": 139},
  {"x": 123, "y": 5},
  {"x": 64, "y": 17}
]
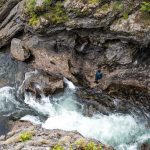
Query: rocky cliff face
[{"x": 74, "y": 38}]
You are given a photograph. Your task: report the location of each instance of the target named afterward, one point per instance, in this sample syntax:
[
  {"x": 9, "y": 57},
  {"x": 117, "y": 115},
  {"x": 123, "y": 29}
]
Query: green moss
[
  {"x": 25, "y": 136},
  {"x": 145, "y": 7},
  {"x": 93, "y": 1},
  {"x": 30, "y": 12},
  {"x": 80, "y": 13},
  {"x": 125, "y": 15},
  {"x": 70, "y": 147},
  {"x": 91, "y": 146},
  {"x": 118, "y": 6},
  {"x": 105, "y": 7},
  {"x": 34, "y": 20},
  {"x": 47, "y": 2},
  {"x": 58, "y": 147},
  {"x": 56, "y": 15},
  {"x": 30, "y": 6},
  {"x": 82, "y": 144}
]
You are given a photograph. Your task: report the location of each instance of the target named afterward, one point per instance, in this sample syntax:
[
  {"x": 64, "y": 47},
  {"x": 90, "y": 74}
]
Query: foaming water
[
  {"x": 123, "y": 132},
  {"x": 70, "y": 84},
  {"x": 113, "y": 129},
  {"x": 7, "y": 99},
  {"x": 43, "y": 105},
  {"x": 33, "y": 119}
]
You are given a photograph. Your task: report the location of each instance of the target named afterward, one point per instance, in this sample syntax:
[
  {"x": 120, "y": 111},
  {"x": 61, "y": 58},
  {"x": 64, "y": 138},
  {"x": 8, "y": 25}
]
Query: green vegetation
[
  {"x": 105, "y": 7},
  {"x": 55, "y": 14},
  {"x": 93, "y": 1},
  {"x": 118, "y": 6},
  {"x": 125, "y": 15},
  {"x": 80, "y": 13},
  {"x": 47, "y": 2},
  {"x": 145, "y": 15},
  {"x": 30, "y": 4},
  {"x": 34, "y": 20},
  {"x": 145, "y": 7},
  {"x": 25, "y": 136},
  {"x": 91, "y": 146},
  {"x": 30, "y": 10},
  {"x": 58, "y": 147},
  {"x": 71, "y": 147},
  {"x": 81, "y": 144}
]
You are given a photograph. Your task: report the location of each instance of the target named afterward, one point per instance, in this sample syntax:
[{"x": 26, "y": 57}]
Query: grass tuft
[{"x": 25, "y": 136}]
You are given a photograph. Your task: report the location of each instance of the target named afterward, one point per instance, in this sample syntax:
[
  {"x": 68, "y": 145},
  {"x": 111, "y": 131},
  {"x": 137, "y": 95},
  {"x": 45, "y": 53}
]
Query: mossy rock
[{"x": 54, "y": 13}]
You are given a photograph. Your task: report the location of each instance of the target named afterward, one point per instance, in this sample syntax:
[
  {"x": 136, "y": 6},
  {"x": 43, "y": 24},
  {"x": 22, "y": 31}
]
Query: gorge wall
[{"x": 73, "y": 38}]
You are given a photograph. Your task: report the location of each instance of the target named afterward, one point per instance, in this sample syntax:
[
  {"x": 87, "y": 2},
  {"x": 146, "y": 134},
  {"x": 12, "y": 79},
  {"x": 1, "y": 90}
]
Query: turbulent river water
[{"x": 122, "y": 131}]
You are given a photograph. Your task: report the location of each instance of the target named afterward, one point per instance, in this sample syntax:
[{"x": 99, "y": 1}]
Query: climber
[{"x": 98, "y": 75}]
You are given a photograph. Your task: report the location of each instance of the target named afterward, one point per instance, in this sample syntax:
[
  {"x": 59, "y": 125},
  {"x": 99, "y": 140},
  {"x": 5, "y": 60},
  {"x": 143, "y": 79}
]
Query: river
[{"x": 122, "y": 131}]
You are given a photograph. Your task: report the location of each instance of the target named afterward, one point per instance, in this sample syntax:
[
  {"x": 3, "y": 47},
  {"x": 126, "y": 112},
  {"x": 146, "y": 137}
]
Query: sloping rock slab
[{"x": 42, "y": 139}]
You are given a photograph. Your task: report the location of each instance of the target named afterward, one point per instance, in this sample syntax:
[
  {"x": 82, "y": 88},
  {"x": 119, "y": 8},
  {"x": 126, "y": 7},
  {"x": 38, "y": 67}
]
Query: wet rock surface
[
  {"x": 43, "y": 139},
  {"x": 40, "y": 82},
  {"x": 145, "y": 146}
]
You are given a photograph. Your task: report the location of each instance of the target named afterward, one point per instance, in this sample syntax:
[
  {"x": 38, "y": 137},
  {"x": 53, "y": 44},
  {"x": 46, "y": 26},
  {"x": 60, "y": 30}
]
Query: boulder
[
  {"x": 18, "y": 51},
  {"x": 40, "y": 82}
]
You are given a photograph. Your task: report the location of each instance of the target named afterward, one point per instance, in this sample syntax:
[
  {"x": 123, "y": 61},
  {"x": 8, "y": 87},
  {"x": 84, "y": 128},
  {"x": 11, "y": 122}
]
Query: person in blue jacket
[{"x": 98, "y": 76}]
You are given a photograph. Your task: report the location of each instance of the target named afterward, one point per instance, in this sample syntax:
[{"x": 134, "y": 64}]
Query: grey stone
[{"x": 18, "y": 51}]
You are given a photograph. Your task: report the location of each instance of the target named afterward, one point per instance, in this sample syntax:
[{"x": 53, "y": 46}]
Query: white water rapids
[{"x": 121, "y": 131}]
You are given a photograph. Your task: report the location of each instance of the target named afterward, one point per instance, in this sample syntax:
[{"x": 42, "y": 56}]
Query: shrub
[
  {"x": 145, "y": 7},
  {"x": 58, "y": 147},
  {"x": 25, "y": 136}
]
